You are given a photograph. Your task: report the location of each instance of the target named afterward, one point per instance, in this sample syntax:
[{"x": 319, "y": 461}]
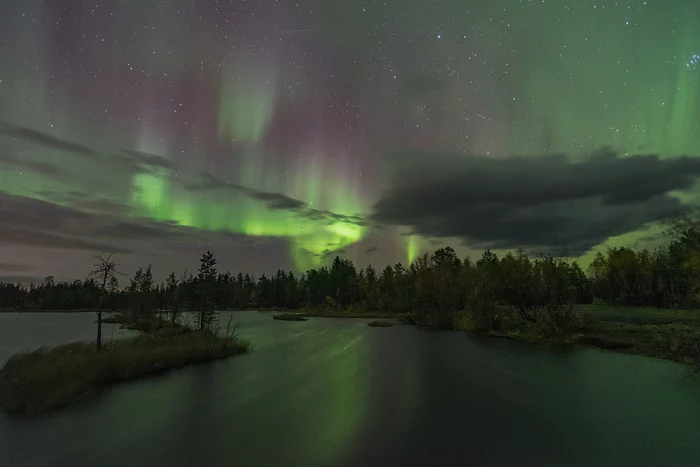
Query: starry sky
[{"x": 281, "y": 133}]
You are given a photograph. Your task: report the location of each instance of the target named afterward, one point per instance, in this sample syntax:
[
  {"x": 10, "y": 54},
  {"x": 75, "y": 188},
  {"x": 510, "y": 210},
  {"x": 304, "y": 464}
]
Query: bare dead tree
[{"x": 105, "y": 270}]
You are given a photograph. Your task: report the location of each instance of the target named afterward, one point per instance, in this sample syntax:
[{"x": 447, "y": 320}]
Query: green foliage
[
  {"x": 142, "y": 294},
  {"x": 33, "y": 383},
  {"x": 331, "y": 304},
  {"x": 464, "y": 321},
  {"x": 485, "y": 292},
  {"x": 674, "y": 341},
  {"x": 668, "y": 277},
  {"x": 558, "y": 295}
]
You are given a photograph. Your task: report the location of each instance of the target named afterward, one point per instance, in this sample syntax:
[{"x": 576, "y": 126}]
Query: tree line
[{"x": 434, "y": 289}]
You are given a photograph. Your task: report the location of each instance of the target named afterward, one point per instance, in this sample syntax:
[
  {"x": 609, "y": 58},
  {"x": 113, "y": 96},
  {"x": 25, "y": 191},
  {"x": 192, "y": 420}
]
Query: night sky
[{"x": 280, "y": 134}]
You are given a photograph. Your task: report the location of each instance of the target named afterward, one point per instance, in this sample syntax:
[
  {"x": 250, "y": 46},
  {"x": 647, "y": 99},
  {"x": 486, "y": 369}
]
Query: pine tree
[
  {"x": 206, "y": 281},
  {"x": 173, "y": 293},
  {"x": 145, "y": 288}
]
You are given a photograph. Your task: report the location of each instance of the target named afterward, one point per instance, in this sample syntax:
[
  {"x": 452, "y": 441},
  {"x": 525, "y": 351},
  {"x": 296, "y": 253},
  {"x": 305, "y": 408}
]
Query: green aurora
[{"x": 302, "y": 111}]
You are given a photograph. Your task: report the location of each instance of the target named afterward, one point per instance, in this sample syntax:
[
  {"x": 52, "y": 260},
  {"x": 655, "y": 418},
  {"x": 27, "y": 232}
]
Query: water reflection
[{"x": 337, "y": 393}]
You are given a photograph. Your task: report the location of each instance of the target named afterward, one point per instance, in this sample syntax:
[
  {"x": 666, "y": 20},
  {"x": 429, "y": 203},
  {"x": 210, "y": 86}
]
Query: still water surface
[{"x": 329, "y": 392}]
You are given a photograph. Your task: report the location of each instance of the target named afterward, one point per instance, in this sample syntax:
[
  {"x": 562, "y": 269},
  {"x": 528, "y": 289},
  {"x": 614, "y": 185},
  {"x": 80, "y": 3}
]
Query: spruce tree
[{"x": 206, "y": 281}]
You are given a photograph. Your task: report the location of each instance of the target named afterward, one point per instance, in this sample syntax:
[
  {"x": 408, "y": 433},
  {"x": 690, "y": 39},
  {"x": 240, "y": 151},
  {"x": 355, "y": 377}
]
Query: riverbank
[
  {"x": 352, "y": 314},
  {"x": 651, "y": 332},
  {"x": 667, "y": 334},
  {"x": 679, "y": 342},
  {"x": 36, "y": 382}
]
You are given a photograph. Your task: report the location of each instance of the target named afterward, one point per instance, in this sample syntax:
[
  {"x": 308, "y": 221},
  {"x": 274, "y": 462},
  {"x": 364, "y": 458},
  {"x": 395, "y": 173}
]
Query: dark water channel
[{"x": 331, "y": 392}]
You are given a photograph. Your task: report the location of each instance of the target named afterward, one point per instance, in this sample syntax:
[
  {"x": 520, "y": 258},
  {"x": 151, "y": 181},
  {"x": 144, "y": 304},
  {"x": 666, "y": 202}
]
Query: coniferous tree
[{"x": 206, "y": 280}]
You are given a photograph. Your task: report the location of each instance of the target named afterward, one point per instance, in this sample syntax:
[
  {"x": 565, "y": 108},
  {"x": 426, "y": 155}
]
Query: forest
[{"x": 435, "y": 289}]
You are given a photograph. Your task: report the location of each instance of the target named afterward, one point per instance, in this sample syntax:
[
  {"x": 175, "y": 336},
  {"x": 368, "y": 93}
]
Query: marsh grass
[{"x": 48, "y": 378}]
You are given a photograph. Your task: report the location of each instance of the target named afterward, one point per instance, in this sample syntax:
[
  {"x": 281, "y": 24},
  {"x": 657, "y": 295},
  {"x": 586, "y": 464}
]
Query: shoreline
[
  {"x": 672, "y": 335},
  {"x": 41, "y": 381},
  {"x": 32, "y": 383}
]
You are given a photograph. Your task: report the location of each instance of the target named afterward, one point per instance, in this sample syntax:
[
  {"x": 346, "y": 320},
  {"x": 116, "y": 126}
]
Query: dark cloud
[
  {"x": 243, "y": 239},
  {"x": 31, "y": 222},
  {"x": 13, "y": 267},
  {"x": 84, "y": 201},
  {"x": 147, "y": 159},
  {"x": 42, "y": 222},
  {"x": 19, "y": 236},
  {"x": 331, "y": 217},
  {"x": 29, "y": 213},
  {"x": 19, "y": 279},
  {"x": 372, "y": 249},
  {"x": 328, "y": 253},
  {"x": 533, "y": 201},
  {"x": 43, "y": 168},
  {"x": 128, "y": 162},
  {"x": 278, "y": 200},
  {"x": 114, "y": 162},
  {"x": 106, "y": 206},
  {"x": 62, "y": 240},
  {"x": 43, "y": 139},
  {"x": 311, "y": 253},
  {"x": 144, "y": 230}
]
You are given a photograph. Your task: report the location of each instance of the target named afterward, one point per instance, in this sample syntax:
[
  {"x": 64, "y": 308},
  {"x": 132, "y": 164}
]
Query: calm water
[
  {"x": 28, "y": 331},
  {"x": 337, "y": 393}
]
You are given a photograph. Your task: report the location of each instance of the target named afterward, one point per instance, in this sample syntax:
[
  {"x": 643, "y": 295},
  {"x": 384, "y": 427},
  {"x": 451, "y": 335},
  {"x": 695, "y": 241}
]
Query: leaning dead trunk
[
  {"x": 104, "y": 269},
  {"x": 99, "y": 313}
]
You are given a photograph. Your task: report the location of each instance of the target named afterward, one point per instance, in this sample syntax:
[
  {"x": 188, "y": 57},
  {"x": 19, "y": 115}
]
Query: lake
[{"x": 330, "y": 392}]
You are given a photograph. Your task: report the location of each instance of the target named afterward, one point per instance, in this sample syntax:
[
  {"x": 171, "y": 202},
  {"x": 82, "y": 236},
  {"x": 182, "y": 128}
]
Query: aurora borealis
[{"x": 281, "y": 133}]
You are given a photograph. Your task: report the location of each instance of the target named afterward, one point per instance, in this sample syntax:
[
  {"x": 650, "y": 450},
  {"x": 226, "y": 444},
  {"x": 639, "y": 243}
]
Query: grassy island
[
  {"x": 380, "y": 323},
  {"x": 324, "y": 313},
  {"x": 36, "y": 382},
  {"x": 289, "y": 317}
]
